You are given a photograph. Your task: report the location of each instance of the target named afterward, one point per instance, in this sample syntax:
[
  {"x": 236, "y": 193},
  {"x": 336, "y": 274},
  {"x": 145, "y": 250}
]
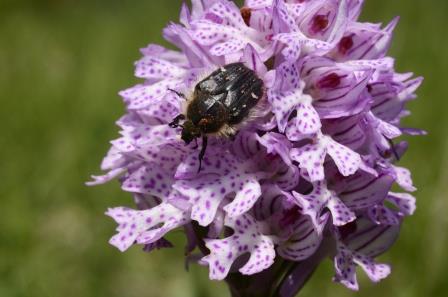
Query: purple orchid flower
[{"x": 308, "y": 178}]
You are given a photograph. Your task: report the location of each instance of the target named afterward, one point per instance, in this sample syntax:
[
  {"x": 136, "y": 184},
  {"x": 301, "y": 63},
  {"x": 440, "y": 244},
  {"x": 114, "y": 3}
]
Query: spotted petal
[
  {"x": 141, "y": 96},
  {"x": 345, "y": 159},
  {"x": 404, "y": 205},
  {"x": 311, "y": 157},
  {"x": 232, "y": 39},
  {"x": 247, "y": 238},
  {"x": 403, "y": 178},
  {"x": 404, "y": 202},
  {"x": 227, "y": 47},
  {"x": 144, "y": 226},
  {"x": 149, "y": 179},
  {"x": 155, "y": 68},
  {"x": 286, "y": 94},
  {"x": 223, "y": 175},
  {"x": 283, "y": 105},
  {"x": 254, "y": 4},
  {"x": 320, "y": 198},
  {"x": 345, "y": 264},
  {"x": 297, "y": 43},
  {"x": 306, "y": 121}
]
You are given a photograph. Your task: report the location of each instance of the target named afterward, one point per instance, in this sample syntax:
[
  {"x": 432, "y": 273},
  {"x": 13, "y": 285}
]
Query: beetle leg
[
  {"x": 178, "y": 93},
  {"x": 175, "y": 122},
  {"x": 202, "y": 152},
  {"x": 196, "y": 145}
]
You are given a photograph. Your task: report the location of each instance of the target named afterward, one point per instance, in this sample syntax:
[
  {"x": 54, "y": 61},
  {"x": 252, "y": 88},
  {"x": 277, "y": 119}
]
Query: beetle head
[{"x": 190, "y": 132}]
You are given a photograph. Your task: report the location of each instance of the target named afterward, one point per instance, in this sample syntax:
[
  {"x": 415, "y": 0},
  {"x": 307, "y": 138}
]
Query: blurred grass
[{"x": 62, "y": 63}]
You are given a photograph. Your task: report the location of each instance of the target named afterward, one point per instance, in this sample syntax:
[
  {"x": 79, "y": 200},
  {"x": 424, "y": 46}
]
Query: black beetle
[{"x": 219, "y": 104}]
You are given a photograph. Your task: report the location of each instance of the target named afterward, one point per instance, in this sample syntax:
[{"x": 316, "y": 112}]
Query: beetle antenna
[
  {"x": 178, "y": 93},
  {"x": 202, "y": 152}
]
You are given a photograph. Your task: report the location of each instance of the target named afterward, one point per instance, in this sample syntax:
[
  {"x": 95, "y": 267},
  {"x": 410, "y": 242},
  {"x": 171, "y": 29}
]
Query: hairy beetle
[{"x": 219, "y": 104}]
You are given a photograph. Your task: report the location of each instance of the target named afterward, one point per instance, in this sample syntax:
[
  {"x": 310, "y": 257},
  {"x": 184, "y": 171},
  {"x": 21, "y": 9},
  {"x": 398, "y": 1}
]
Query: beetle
[{"x": 219, "y": 104}]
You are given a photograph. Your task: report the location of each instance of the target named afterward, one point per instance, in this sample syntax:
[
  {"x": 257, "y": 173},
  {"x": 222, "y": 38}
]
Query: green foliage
[{"x": 62, "y": 63}]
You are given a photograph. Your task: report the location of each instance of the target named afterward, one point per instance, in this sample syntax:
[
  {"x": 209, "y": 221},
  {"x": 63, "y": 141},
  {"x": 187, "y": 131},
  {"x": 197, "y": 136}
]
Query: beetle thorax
[{"x": 207, "y": 113}]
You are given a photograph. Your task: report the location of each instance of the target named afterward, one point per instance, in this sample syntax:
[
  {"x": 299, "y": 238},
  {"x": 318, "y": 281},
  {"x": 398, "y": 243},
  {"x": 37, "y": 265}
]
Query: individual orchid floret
[
  {"x": 383, "y": 215},
  {"x": 247, "y": 238},
  {"x": 224, "y": 31},
  {"x": 401, "y": 175},
  {"x": 364, "y": 42},
  {"x": 345, "y": 264},
  {"x": 311, "y": 157},
  {"x": 323, "y": 19},
  {"x": 390, "y": 92},
  {"x": 381, "y": 130},
  {"x": 310, "y": 27},
  {"x": 338, "y": 90},
  {"x": 360, "y": 248},
  {"x": 145, "y": 226},
  {"x": 322, "y": 198},
  {"x": 286, "y": 97}
]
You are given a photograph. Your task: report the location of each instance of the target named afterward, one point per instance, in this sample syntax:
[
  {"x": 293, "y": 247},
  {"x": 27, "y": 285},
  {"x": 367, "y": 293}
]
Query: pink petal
[
  {"x": 346, "y": 160},
  {"x": 311, "y": 158},
  {"x": 149, "y": 179},
  {"x": 141, "y": 96},
  {"x": 345, "y": 262},
  {"x": 227, "y": 47},
  {"x": 222, "y": 174},
  {"x": 247, "y": 238},
  {"x": 320, "y": 198},
  {"x": 144, "y": 226},
  {"x": 155, "y": 68},
  {"x": 404, "y": 201},
  {"x": 403, "y": 178},
  {"x": 306, "y": 121}
]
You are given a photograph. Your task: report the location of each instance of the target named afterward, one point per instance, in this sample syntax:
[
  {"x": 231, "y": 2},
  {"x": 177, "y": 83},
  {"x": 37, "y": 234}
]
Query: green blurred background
[{"x": 62, "y": 63}]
